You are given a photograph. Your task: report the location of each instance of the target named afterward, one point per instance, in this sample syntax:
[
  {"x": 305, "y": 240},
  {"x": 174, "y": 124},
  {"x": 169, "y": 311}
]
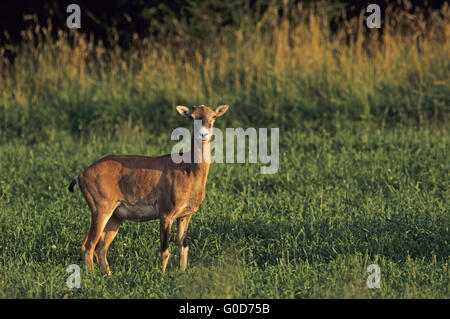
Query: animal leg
[
  {"x": 99, "y": 219},
  {"x": 108, "y": 235},
  {"x": 165, "y": 226},
  {"x": 183, "y": 224}
]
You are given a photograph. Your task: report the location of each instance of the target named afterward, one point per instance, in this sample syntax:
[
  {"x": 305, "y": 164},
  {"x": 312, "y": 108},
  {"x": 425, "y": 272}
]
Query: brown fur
[{"x": 141, "y": 188}]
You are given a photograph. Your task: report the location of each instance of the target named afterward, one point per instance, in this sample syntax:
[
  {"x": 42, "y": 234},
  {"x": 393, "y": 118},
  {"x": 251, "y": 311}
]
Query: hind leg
[
  {"x": 98, "y": 222},
  {"x": 108, "y": 235},
  {"x": 83, "y": 249}
]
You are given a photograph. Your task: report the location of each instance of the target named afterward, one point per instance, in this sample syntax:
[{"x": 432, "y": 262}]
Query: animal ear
[
  {"x": 183, "y": 111},
  {"x": 221, "y": 110}
]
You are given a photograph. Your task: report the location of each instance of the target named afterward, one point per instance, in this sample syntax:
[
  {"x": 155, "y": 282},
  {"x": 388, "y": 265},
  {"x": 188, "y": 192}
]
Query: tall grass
[{"x": 274, "y": 73}]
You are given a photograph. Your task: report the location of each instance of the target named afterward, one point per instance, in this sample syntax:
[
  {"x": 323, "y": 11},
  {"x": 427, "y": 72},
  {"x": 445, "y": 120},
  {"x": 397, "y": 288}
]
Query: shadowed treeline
[{"x": 118, "y": 20}]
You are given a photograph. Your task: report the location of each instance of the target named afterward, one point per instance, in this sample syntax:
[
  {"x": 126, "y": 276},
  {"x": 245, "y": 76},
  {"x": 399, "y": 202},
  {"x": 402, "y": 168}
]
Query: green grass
[
  {"x": 341, "y": 200},
  {"x": 363, "y": 178}
]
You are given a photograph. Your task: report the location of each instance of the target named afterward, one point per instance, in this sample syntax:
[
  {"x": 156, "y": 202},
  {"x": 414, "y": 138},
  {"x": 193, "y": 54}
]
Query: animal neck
[{"x": 200, "y": 156}]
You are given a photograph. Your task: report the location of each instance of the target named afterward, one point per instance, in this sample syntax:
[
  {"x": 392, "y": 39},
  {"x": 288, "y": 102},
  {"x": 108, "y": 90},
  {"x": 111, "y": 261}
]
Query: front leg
[
  {"x": 183, "y": 224},
  {"x": 165, "y": 225}
]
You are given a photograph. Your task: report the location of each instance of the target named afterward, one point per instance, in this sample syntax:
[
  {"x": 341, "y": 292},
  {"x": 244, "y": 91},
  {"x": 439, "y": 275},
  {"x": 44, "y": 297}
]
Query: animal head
[{"x": 203, "y": 118}]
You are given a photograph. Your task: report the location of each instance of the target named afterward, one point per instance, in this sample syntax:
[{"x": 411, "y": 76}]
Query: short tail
[{"x": 72, "y": 184}]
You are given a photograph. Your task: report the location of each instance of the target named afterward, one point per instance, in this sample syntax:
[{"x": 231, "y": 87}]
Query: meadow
[{"x": 363, "y": 176}]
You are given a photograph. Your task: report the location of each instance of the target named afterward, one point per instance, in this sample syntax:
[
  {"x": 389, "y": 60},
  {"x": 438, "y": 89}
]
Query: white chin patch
[
  {"x": 203, "y": 138},
  {"x": 204, "y": 134}
]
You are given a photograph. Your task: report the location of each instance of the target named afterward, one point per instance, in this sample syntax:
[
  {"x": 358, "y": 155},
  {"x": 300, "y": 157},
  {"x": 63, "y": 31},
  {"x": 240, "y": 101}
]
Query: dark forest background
[{"x": 175, "y": 21}]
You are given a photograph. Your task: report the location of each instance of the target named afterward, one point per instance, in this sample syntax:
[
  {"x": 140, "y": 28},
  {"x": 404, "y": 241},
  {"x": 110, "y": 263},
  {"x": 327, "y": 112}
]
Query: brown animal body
[{"x": 141, "y": 188}]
